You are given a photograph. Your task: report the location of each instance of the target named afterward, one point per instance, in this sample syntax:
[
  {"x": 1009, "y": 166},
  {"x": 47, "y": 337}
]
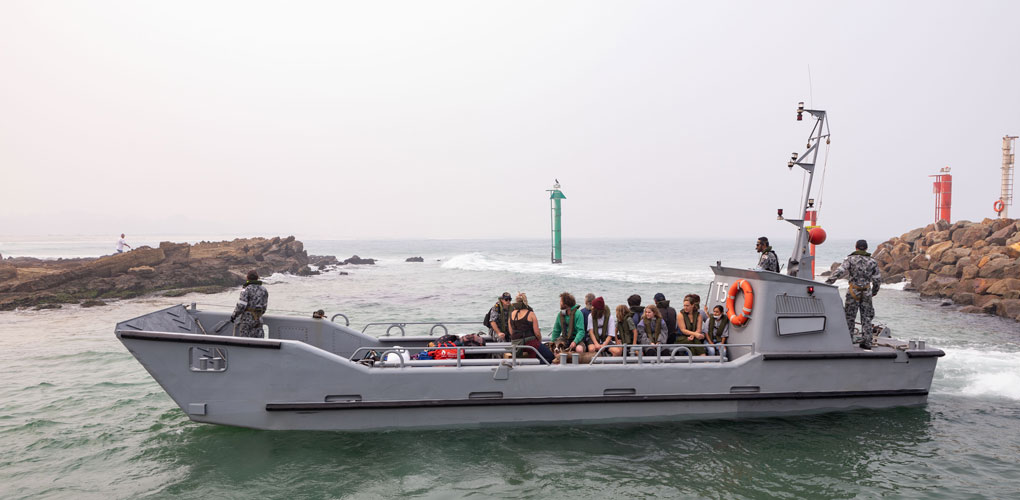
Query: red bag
[{"x": 445, "y": 353}]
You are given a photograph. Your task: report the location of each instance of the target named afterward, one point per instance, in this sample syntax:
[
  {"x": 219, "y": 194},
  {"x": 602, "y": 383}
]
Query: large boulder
[
  {"x": 963, "y": 298},
  {"x": 912, "y": 235},
  {"x": 919, "y": 261},
  {"x": 968, "y": 272},
  {"x": 1003, "y": 286},
  {"x": 950, "y": 256},
  {"x": 942, "y": 225},
  {"x": 935, "y": 251},
  {"x": 967, "y": 237},
  {"x": 994, "y": 268},
  {"x": 917, "y": 277},
  {"x": 900, "y": 250},
  {"x": 1013, "y": 251},
  {"x": 1008, "y": 308},
  {"x": 8, "y": 273}
]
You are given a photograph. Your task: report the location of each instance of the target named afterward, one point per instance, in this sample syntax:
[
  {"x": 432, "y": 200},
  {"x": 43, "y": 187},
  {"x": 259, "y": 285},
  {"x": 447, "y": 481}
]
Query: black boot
[{"x": 866, "y": 344}]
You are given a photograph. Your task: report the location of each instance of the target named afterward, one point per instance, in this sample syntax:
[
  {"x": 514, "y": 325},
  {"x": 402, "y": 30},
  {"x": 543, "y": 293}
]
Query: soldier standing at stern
[
  {"x": 250, "y": 307},
  {"x": 864, "y": 278},
  {"x": 768, "y": 260}
]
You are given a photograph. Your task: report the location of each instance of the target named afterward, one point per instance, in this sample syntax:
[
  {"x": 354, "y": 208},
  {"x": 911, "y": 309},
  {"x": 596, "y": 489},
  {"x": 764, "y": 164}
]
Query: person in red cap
[{"x": 602, "y": 331}]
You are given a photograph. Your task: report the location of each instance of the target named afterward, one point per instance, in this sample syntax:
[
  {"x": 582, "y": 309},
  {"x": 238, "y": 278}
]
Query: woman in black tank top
[{"x": 524, "y": 329}]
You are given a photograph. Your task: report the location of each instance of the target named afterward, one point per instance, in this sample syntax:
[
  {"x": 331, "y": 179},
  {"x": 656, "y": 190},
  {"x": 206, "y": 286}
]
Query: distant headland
[{"x": 172, "y": 269}]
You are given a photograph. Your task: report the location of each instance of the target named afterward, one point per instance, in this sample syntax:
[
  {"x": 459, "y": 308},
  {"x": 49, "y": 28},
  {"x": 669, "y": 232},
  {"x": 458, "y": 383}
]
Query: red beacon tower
[{"x": 943, "y": 189}]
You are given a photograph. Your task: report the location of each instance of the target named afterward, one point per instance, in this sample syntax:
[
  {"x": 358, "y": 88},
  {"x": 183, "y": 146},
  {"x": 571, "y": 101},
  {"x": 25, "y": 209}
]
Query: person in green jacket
[{"x": 569, "y": 323}]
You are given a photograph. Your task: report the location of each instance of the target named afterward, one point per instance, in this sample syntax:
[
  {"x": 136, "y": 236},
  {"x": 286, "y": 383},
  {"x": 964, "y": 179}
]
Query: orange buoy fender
[
  {"x": 743, "y": 286},
  {"x": 998, "y": 206}
]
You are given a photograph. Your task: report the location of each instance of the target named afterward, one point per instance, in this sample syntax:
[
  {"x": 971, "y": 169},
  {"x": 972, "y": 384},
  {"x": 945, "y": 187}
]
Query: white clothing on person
[
  {"x": 120, "y": 245},
  {"x": 597, "y": 325}
]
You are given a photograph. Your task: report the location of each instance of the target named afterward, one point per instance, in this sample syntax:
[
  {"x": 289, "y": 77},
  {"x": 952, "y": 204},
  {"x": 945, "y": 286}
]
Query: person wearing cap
[
  {"x": 499, "y": 316},
  {"x": 768, "y": 260},
  {"x": 603, "y": 326},
  {"x": 250, "y": 307},
  {"x": 320, "y": 314},
  {"x": 669, "y": 315},
  {"x": 862, "y": 273}
]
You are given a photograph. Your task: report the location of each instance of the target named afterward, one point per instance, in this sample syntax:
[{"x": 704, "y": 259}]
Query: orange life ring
[
  {"x": 998, "y": 206},
  {"x": 731, "y": 298}
]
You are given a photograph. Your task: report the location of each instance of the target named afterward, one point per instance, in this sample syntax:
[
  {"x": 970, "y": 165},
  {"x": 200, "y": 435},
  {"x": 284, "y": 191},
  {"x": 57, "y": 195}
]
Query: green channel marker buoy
[{"x": 555, "y": 195}]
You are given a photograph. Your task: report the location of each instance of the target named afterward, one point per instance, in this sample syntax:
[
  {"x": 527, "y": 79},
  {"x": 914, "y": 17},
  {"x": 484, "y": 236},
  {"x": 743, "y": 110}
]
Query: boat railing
[
  {"x": 390, "y": 325},
  {"x": 347, "y": 321},
  {"x": 513, "y": 350},
  {"x": 638, "y": 351}
]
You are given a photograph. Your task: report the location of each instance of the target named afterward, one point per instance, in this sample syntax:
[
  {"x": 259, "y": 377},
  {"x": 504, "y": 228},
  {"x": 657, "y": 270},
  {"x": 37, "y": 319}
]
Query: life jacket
[
  {"x": 501, "y": 321},
  {"x": 690, "y": 324},
  {"x": 571, "y": 332},
  {"x": 623, "y": 331},
  {"x": 648, "y": 330},
  {"x": 604, "y": 334},
  {"x": 715, "y": 330}
]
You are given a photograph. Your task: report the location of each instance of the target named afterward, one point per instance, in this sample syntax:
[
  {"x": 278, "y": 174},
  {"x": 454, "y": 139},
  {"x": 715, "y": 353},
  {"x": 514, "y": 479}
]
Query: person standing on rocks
[
  {"x": 864, "y": 277},
  {"x": 768, "y": 260},
  {"x": 250, "y": 308},
  {"x": 121, "y": 243}
]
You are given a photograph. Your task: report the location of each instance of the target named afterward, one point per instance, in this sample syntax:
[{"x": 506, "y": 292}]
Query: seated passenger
[
  {"x": 589, "y": 298},
  {"x": 524, "y": 329},
  {"x": 626, "y": 330},
  {"x": 652, "y": 328},
  {"x": 716, "y": 330},
  {"x": 690, "y": 327},
  {"x": 603, "y": 327},
  {"x": 569, "y": 324},
  {"x": 636, "y": 309}
]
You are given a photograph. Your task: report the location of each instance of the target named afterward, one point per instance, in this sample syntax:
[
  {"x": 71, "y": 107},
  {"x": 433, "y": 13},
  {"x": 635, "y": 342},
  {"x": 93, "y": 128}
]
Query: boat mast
[{"x": 800, "y": 262}]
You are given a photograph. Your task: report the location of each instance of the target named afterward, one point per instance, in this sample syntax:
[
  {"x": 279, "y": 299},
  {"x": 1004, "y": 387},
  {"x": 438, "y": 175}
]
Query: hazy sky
[{"x": 451, "y": 119}]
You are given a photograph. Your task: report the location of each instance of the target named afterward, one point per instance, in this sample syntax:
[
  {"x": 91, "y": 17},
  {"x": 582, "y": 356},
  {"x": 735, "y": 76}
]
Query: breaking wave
[
  {"x": 479, "y": 262},
  {"x": 981, "y": 372}
]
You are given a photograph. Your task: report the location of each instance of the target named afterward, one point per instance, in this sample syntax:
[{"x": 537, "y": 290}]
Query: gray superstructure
[{"x": 794, "y": 355}]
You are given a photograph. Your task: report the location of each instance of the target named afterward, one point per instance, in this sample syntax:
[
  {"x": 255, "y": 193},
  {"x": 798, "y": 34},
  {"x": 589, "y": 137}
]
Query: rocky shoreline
[
  {"x": 974, "y": 264},
  {"x": 172, "y": 269}
]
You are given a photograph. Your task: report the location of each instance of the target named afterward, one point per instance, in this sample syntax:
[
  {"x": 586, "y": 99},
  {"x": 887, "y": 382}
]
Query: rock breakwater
[{"x": 974, "y": 264}]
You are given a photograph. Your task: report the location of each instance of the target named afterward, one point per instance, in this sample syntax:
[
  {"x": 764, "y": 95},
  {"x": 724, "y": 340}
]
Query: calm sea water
[{"x": 79, "y": 417}]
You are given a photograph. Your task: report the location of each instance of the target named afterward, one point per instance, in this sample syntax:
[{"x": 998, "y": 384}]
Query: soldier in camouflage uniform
[
  {"x": 864, "y": 278},
  {"x": 768, "y": 261},
  {"x": 250, "y": 308}
]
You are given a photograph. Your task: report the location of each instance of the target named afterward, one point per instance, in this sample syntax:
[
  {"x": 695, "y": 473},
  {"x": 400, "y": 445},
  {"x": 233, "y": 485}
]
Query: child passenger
[
  {"x": 717, "y": 330},
  {"x": 652, "y": 328},
  {"x": 626, "y": 330}
]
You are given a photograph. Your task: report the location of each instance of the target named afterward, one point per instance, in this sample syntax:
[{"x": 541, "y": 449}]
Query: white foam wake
[
  {"x": 479, "y": 262},
  {"x": 981, "y": 372}
]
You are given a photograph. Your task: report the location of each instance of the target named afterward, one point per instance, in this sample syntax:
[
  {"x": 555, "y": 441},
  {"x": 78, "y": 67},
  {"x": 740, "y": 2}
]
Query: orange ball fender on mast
[{"x": 731, "y": 298}]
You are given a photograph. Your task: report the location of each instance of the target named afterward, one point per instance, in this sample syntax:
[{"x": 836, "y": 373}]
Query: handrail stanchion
[{"x": 347, "y": 321}]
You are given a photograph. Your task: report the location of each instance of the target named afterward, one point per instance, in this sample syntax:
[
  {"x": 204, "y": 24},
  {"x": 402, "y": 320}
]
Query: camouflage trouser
[
  {"x": 248, "y": 326},
  {"x": 867, "y": 313}
]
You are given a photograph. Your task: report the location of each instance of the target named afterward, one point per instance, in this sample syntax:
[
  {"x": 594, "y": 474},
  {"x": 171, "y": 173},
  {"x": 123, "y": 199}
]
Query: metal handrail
[
  {"x": 347, "y": 321},
  {"x": 629, "y": 351},
  {"x": 512, "y": 349},
  {"x": 401, "y": 324}
]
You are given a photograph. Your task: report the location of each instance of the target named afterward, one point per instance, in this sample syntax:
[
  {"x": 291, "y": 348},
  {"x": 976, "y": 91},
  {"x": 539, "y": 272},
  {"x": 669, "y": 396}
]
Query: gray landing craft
[{"x": 793, "y": 355}]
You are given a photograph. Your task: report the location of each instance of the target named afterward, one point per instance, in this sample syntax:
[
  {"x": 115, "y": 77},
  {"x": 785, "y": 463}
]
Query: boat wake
[
  {"x": 479, "y": 262},
  {"x": 981, "y": 372}
]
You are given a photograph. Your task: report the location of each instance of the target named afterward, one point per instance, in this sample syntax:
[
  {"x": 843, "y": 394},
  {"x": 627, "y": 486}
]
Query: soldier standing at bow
[
  {"x": 864, "y": 278},
  {"x": 768, "y": 261},
  {"x": 250, "y": 307}
]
